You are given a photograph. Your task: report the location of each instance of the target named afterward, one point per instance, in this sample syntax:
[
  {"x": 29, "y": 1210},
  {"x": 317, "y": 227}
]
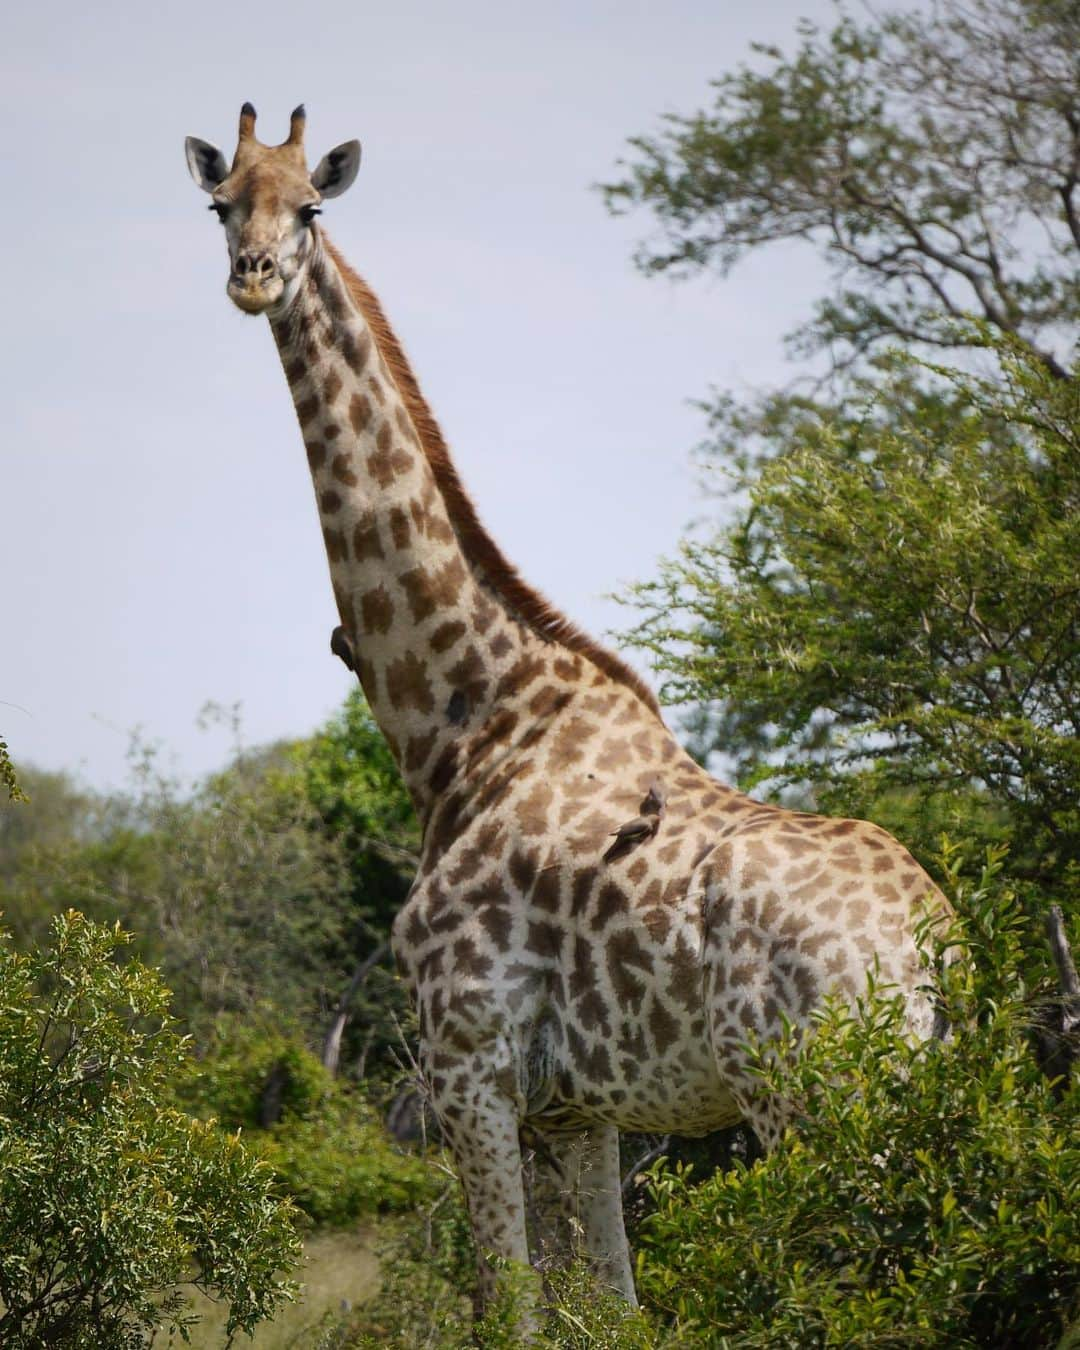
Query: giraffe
[{"x": 597, "y": 926}]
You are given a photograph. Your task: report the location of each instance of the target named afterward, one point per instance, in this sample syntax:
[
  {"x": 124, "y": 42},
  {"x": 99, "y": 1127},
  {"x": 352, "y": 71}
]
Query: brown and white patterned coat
[{"x": 597, "y": 926}]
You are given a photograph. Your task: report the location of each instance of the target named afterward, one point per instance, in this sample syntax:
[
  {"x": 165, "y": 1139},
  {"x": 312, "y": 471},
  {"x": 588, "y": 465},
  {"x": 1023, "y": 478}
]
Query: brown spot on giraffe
[
  {"x": 445, "y": 770},
  {"x": 468, "y": 676},
  {"x": 342, "y": 469},
  {"x": 355, "y": 350},
  {"x": 418, "y": 750},
  {"x": 377, "y": 610},
  {"x": 408, "y": 684},
  {"x": 359, "y": 412},
  {"x": 431, "y": 589},
  {"x": 447, "y": 635},
  {"x": 366, "y": 541},
  {"x": 337, "y": 548},
  {"x": 399, "y": 529}
]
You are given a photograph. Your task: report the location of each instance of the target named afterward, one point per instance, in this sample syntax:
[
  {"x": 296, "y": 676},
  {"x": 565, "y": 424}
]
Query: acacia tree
[{"x": 933, "y": 157}]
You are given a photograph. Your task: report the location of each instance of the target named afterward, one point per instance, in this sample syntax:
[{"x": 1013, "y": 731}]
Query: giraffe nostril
[
  {"x": 241, "y": 265},
  {"x": 266, "y": 267}
]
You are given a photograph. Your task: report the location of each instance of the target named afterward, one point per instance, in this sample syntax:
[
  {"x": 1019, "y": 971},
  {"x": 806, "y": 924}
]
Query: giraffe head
[{"x": 268, "y": 202}]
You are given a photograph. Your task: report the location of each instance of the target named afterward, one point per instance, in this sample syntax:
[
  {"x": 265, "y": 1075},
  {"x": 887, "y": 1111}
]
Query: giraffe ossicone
[{"x": 597, "y": 926}]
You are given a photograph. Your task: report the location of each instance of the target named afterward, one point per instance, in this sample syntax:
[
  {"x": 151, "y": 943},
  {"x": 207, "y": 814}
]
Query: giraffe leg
[
  {"x": 577, "y": 1206},
  {"x": 602, "y": 1211},
  {"x": 551, "y": 1180},
  {"x": 483, "y": 1137}
]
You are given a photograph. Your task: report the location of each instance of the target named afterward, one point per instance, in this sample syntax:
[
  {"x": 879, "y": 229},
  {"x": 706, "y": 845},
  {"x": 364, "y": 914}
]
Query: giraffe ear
[
  {"x": 206, "y": 163},
  {"x": 336, "y": 171}
]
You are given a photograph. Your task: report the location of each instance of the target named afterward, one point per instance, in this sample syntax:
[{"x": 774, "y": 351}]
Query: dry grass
[{"x": 338, "y": 1267}]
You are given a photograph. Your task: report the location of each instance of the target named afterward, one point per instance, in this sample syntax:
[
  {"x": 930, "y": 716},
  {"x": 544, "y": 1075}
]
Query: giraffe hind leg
[{"x": 576, "y": 1207}]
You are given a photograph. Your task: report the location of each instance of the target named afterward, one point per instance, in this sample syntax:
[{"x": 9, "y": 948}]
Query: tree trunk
[
  {"x": 331, "y": 1055},
  {"x": 1056, "y": 1029}
]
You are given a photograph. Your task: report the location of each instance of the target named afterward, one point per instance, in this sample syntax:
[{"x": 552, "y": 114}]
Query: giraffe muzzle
[{"x": 255, "y": 283}]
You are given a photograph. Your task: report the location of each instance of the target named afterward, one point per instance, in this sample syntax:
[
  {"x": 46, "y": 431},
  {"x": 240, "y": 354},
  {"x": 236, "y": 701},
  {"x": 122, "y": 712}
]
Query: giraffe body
[{"x": 597, "y": 926}]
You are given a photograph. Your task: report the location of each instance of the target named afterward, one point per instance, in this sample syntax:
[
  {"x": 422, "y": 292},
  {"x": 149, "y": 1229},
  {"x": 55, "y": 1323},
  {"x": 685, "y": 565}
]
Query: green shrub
[
  {"x": 240, "y": 1055},
  {"x": 327, "y": 1148},
  {"x": 339, "y": 1166},
  {"x": 111, "y": 1200},
  {"x": 927, "y": 1196}
]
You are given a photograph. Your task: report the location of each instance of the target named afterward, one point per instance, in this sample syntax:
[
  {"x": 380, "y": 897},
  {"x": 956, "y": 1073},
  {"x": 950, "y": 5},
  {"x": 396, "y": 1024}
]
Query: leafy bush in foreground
[
  {"x": 928, "y": 1195},
  {"x": 110, "y": 1201}
]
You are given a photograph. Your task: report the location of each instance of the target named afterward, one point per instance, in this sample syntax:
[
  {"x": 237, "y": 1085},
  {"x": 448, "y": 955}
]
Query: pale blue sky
[{"x": 160, "y": 541}]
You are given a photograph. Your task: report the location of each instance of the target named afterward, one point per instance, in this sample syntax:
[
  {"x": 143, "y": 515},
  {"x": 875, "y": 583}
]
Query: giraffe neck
[{"x": 436, "y": 645}]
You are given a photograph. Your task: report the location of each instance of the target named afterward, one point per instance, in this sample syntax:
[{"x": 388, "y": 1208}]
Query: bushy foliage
[
  {"x": 241, "y": 1061},
  {"x": 353, "y": 784},
  {"x": 327, "y": 1149},
  {"x": 428, "y": 1270},
  {"x": 245, "y": 892},
  {"x": 926, "y": 1196},
  {"x": 110, "y": 1199},
  {"x": 234, "y": 890},
  {"x": 339, "y": 1166},
  {"x": 265, "y": 886}
]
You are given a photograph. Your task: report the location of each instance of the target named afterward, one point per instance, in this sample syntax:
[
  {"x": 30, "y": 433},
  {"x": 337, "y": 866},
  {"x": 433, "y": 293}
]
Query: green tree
[
  {"x": 235, "y": 889},
  {"x": 933, "y": 157},
  {"x": 246, "y": 897},
  {"x": 59, "y": 811},
  {"x": 66, "y": 847},
  {"x": 111, "y": 1202},
  {"x": 896, "y": 611},
  {"x": 326, "y": 1146}
]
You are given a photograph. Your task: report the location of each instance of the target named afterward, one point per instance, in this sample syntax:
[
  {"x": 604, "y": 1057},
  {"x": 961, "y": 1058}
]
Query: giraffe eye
[
  {"x": 221, "y": 209},
  {"x": 308, "y": 213}
]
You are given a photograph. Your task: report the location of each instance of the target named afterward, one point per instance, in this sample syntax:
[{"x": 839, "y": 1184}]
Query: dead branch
[
  {"x": 1056, "y": 1028},
  {"x": 331, "y": 1054}
]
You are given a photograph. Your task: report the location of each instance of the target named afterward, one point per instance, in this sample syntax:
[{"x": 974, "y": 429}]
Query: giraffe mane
[{"x": 525, "y": 603}]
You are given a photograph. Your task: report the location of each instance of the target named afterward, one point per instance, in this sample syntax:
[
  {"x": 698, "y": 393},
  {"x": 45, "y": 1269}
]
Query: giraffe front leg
[
  {"x": 577, "y": 1206},
  {"x": 481, "y": 1127}
]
